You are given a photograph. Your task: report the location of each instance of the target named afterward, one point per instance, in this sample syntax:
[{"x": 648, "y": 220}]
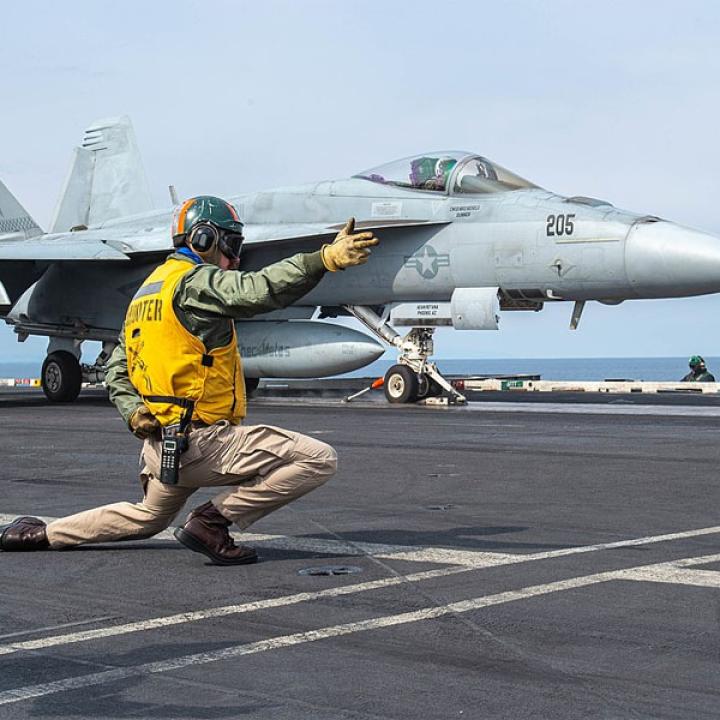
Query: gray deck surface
[{"x": 540, "y": 605}]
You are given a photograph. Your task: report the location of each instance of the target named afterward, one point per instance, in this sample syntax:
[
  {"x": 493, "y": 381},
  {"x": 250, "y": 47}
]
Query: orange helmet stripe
[
  {"x": 182, "y": 214},
  {"x": 233, "y": 212}
]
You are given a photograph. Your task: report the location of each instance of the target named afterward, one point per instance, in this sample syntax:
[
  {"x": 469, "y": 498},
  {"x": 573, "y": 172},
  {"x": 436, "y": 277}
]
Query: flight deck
[{"x": 535, "y": 555}]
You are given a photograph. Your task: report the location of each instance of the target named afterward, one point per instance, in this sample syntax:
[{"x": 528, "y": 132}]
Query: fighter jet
[{"x": 462, "y": 239}]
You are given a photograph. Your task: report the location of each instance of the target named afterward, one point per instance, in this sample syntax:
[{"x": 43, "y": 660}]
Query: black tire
[
  {"x": 424, "y": 386},
  {"x": 251, "y": 385},
  {"x": 61, "y": 377},
  {"x": 435, "y": 389},
  {"x": 401, "y": 384}
]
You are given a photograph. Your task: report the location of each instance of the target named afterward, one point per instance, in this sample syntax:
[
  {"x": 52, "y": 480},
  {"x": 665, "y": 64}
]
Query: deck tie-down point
[{"x": 331, "y": 570}]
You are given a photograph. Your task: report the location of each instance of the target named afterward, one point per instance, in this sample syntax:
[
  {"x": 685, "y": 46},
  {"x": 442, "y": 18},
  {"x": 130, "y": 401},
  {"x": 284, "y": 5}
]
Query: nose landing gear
[
  {"x": 401, "y": 384},
  {"x": 414, "y": 377},
  {"x": 404, "y": 385}
]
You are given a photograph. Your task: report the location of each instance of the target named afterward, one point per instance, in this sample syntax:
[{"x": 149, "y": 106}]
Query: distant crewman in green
[
  {"x": 176, "y": 378},
  {"x": 698, "y": 371}
]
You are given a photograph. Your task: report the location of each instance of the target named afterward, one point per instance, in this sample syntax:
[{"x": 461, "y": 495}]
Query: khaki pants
[{"x": 266, "y": 467}]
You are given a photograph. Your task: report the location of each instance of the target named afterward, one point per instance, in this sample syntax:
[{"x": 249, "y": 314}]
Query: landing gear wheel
[
  {"x": 251, "y": 385},
  {"x": 427, "y": 387},
  {"x": 61, "y": 376},
  {"x": 424, "y": 386},
  {"x": 401, "y": 384}
]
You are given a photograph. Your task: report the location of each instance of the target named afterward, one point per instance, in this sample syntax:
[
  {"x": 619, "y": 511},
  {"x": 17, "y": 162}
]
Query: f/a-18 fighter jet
[{"x": 462, "y": 239}]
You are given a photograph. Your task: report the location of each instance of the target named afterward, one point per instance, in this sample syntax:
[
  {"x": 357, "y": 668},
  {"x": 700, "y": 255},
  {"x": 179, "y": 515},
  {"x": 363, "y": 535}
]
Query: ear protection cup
[{"x": 203, "y": 237}]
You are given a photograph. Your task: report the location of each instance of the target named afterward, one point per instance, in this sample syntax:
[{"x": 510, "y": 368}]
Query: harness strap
[{"x": 189, "y": 406}]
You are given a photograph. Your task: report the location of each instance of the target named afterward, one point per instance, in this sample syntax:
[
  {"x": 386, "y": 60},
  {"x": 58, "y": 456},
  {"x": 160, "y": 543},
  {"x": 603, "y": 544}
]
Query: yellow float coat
[{"x": 165, "y": 360}]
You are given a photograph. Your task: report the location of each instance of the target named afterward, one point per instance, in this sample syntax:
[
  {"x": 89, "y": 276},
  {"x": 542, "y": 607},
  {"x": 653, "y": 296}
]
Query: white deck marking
[
  {"x": 464, "y": 561},
  {"x": 414, "y": 553},
  {"x": 625, "y": 543},
  {"x": 419, "y": 553},
  {"x": 62, "y": 626},
  {"x": 195, "y": 615},
  {"x": 675, "y": 573},
  {"x": 674, "y": 576},
  {"x": 82, "y": 681},
  {"x": 99, "y": 678}
]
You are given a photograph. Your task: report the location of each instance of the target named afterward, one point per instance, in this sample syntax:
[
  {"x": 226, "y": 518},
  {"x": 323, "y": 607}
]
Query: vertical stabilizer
[
  {"x": 106, "y": 180},
  {"x": 15, "y": 221}
]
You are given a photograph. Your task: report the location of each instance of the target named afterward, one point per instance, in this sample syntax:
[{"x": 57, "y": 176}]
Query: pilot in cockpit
[{"x": 429, "y": 173}]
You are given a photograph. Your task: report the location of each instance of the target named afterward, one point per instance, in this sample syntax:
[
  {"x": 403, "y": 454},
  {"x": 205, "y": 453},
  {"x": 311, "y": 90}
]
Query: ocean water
[
  {"x": 655, "y": 368},
  {"x": 667, "y": 369}
]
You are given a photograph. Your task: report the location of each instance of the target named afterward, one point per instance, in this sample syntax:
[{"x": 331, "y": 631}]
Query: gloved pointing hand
[
  {"x": 143, "y": 423},
  {"x": 348, "y": 248}
]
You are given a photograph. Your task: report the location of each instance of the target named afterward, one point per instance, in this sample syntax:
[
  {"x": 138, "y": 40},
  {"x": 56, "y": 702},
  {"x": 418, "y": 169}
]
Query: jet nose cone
[{"x": 667, "y": 260}]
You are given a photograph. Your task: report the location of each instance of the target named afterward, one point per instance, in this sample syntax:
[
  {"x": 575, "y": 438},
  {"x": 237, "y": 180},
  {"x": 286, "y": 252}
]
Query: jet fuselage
[{"x": 530, "y": 243}]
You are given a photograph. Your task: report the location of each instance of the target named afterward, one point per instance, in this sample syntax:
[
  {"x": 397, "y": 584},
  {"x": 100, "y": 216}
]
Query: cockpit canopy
[{"x": 463, "y": 172}]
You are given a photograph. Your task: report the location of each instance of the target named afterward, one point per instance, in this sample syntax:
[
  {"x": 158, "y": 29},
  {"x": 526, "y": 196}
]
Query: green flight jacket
[
  {"x": 704, "y": 376},
  {"x": 207, "y": 295}
]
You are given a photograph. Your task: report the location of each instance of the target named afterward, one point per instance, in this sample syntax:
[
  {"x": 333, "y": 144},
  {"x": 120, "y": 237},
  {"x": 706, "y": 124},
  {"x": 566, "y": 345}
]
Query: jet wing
[
  {"x": 284, "y": 232},
  {"x": 156, "y": 240},
  {"x": 118, "y": 244},
  {"x": 49, "y": 249}
]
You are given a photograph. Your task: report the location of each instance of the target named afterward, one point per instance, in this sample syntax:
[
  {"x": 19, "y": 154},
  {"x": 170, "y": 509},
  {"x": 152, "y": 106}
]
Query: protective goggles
[
  {"x": 204, "y": 235},
  {"x": 230, "y": 243}
]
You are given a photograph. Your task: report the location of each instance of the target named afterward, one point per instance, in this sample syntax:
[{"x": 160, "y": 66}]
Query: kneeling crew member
[
  {"x": 176, "y": 377},
  {"x": 698, "y": 371}
]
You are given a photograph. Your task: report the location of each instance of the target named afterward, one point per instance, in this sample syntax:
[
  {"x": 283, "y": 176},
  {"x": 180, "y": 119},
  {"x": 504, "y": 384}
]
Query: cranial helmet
[
  {"x": 205, "y": 220},
  {"x": 695, "y": 361}
]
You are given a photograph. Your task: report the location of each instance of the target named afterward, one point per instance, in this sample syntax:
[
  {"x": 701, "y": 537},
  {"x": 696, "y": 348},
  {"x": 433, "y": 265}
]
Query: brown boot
[
  {"x": 23, "y": 535},
  {"x": 206, "y": 531}
]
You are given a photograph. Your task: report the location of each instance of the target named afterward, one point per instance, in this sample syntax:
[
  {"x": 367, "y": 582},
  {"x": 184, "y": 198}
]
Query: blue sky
[{"x": 618, "y": 101}]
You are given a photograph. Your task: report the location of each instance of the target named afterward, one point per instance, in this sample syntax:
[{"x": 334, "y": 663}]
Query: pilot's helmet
[
  {"x": 696, "y": 361},
  {"x": 220, "y": 217},
  {"x": 444, "y": 166}
]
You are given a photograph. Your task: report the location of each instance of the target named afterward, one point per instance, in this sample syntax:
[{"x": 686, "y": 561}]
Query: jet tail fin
[
  {"x": 15, "y": 221},
  {"x": 106, "y": 179}
]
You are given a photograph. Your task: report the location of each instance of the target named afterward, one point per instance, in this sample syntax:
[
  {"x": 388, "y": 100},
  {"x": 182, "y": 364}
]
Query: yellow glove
[
  {"x": 143, "y": 423},
  {"x": 348, "y": 248}
]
